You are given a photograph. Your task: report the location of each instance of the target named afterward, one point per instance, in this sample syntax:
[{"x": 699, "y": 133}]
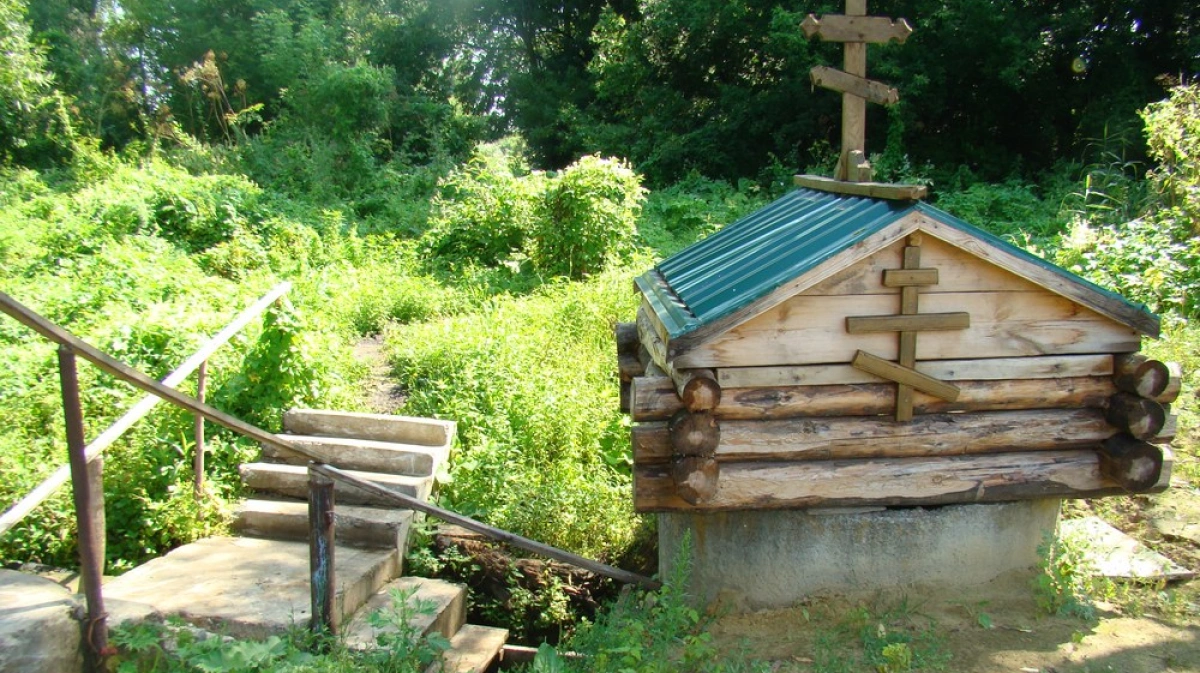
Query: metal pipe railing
[{"x": 137, "y": 412}]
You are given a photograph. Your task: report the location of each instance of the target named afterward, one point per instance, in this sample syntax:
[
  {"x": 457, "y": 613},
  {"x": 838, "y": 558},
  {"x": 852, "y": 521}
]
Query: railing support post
[
  {"x": 198, "y": 459},
  {"x": 320, "y": 552},
  {"x": 87, "y": 480}
]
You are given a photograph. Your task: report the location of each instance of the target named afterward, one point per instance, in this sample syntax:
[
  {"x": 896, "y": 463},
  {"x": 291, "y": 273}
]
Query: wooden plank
[
  {"x": 1102, "y": 303},
  {"x": 839, "y": 262},
  {"x": 1071, "y": 473},
  {"x": 841, "y": 28},
  {"x": 811, "y": 330},
  {"x": 957, "y": 270},
  {"x": 904, "y": 376},
  {"x": 920, "y": 322},
  {"x": 654, "y": 399},
  {"x": 875, "y": 190},
  {"x": 909, "y": 277},
  {"x": 853, "y": 437},
  {"x": 842, "y": 82},
  {"x": 909, "y": 305},
  {"x": 1045, "y": 367},
  {"x": 698, "y": 388}
]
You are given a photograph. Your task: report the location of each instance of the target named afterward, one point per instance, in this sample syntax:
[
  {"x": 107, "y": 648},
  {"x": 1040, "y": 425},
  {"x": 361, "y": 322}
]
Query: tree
[{"x": 34, "y": 128}]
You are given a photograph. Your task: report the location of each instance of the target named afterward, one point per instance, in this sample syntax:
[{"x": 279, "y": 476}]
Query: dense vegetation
[{"x": 470, "y": 181}]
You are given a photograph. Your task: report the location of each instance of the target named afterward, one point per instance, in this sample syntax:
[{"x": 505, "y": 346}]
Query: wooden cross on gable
[
  {"x": 856, "y": 30},
  {"x": 909, "y": 278}
]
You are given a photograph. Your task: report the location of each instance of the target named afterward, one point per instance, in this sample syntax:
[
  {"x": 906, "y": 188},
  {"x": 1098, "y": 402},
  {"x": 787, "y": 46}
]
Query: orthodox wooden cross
[
  {"x": 856, "y": 30},
  {"x": 908, "y": 323}
]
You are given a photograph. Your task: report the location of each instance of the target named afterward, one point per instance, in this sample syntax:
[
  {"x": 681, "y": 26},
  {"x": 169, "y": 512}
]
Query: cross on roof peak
[{"x": 855, "y": 29}]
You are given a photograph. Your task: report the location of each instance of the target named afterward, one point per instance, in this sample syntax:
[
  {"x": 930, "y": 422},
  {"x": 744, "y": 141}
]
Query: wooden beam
[
  {"x": 855, "y": 437},
  {"x": 990, "y": 369},
  {"x": 920, "y": 322},
  {"x": 1135, "y": 465},
  {"x": 697, "y": 388},
  {"x": 875, "y": 190},
  {"x": 841, "y": 28},
  {"x": 861, "y": 87},
  {"x": 1003, "y": 477},
  {"x": 1137, "y": 374},
  {"x": 696, "y": 478},
  {"x": 1140, "y": 417},
  {"x": 904, "y": 376},
  {"x": 1174, "y": 384},
  {"x": 909, "y": 277},
  {"x": 693, "y": 434},
  {"x": 654, "y": 398}
]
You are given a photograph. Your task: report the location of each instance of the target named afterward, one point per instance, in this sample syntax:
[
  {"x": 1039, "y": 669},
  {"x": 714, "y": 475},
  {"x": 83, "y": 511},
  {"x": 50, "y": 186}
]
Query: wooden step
[
  {"x": 447, "y": 613},
  {"x": 250, "y": 587},
  {"x": 381, "y": 427},
  {"x": 292, "y": 481},
  {"x": 375, "y": 527},
  {"x": 472, "y": 649},
  {"x": 368, "y": 455}
]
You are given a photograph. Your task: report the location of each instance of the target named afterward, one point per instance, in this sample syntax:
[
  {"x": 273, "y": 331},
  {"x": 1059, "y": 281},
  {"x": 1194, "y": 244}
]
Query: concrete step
[
  {"x": 353, "y": 525},
  {"x": 249, "y": 587},
  {"x": 445, "y": 610},
  {"x": 473, "y": 649},
  {"x": 292, "y": 481},
  {"x": 362, "y": 454},
  {"x": 381, "y": 427}
]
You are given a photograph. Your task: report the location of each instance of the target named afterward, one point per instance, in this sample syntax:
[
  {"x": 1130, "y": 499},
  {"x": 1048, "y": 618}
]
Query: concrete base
[{"x": 767, "y": 559}]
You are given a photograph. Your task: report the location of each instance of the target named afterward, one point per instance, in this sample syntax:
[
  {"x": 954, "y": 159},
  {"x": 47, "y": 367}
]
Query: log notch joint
[{"x": 909, "y": 278}]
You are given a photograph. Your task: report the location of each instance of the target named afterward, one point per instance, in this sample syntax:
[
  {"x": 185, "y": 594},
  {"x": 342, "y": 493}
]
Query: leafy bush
[
  {"x": 1154, "y": 258},
  {"x": 484, "y": 211},
  {"x": 676, "y": 216},
  {"x": 589, "y": 217},
  {"x": 495, "y": 212},
  {"x": 1014, "y": 209},
  {"x": 544, "y": 450}
]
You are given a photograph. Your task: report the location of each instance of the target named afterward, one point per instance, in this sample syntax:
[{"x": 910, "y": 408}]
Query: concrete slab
[
  {"x": 1114, "y": 554},
  {"x": 39, "y": 631},
  {"x": 771, "y": 559},
  {"x": 473, "y": 649},
  {"x": 444, "y": 603},
  {"x": 248, "y": 587}
]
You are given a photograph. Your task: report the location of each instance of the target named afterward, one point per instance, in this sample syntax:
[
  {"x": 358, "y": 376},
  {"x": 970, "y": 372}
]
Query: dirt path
[{"x": 384, "y": 396}]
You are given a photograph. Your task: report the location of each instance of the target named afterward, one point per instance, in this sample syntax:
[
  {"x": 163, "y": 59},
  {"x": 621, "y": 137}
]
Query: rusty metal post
[
  {"x": 320, "y": 553},
  {"x": 88, "y": 485},
  {"x": 198, "y": 459}
]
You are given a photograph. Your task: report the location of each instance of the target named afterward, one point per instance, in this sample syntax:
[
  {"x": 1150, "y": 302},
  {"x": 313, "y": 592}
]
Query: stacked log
[{"x": 1073, "y": 425}]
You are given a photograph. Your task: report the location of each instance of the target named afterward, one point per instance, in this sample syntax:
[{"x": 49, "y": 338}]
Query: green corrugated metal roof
[{"x": 754, "y": 256}]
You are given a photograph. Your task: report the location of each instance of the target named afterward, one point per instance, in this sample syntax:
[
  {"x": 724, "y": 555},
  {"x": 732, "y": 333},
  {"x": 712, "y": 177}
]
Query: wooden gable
[{"x": 1020, "y": 310}]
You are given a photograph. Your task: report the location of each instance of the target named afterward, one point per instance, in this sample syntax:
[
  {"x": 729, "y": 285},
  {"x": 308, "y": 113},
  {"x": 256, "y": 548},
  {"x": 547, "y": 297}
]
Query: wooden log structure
[
  {"x": 1073, "y": 473},
  {"x": 1140, "y": 417},
  {"x": 695, "y": 478},
  {"x": 1174, "y": 384},
  {"x": 1139, "y": 375},
  {"x": 655, "y": 398},
  {"x": 698, "y": 389},
  {"x": 1134, "y": 464},
  {"x": 693, "y": 434},
  {"x": 850, "y": 437}
]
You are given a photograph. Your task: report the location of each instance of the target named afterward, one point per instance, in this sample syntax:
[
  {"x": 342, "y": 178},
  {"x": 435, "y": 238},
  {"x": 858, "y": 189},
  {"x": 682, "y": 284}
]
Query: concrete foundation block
[{"x": 770, "y": 559}]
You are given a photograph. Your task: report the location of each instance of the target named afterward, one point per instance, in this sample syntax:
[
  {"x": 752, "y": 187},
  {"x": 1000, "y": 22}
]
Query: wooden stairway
[{"x": 258, "y": 584}]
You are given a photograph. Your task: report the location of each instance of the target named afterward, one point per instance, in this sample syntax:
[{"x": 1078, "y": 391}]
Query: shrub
[
  {"x": 543, "y": 450},
  {"x": 484, "y": 211},
  {"x": 1155, "y": 258},
  {"x": 589, "y": 217}
]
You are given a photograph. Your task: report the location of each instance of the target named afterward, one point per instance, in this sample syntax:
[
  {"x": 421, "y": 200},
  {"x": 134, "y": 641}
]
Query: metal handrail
[
  {"x": 137, "y": 412},
  {"x": 70, "y": 345}
]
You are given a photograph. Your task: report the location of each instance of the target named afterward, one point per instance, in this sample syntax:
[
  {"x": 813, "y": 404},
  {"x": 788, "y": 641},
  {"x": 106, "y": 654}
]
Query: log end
[
  {"x": 701, "y": 393},
  {"x": 1134, "y": 465},
  {"x": 696, "y": 479}
]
